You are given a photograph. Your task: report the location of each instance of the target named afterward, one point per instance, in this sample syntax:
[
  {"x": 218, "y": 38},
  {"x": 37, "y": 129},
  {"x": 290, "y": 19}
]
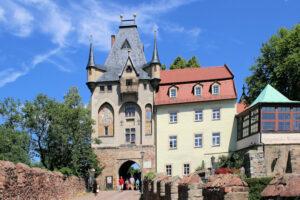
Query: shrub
[
  {"x": 199, "y": 168},
  {"x": 256, "y": 186},
  {"x": 66, "y": 172},
  {"x": 150, "y": 176},
  {"x": 233, "y": 161}
]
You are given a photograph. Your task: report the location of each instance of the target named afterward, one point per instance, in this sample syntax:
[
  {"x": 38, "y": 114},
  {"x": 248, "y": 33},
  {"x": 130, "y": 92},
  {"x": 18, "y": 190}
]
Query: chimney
[{"x": 113, "y": 37}]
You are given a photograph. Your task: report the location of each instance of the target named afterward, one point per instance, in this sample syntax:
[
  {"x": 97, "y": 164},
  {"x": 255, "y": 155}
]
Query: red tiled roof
[
  {"x": 185, "y": 79},
  {"x": 241, "y": 107},
  {"x": 195, "y": 74}
]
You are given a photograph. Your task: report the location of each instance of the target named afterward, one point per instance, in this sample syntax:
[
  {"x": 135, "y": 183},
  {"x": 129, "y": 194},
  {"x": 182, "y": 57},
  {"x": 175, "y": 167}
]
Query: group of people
[{"x": 129, "y": 184}]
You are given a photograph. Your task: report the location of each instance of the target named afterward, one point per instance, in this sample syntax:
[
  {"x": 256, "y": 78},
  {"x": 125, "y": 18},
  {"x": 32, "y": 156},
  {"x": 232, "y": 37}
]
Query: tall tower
[{"x": 121, "y": 104}]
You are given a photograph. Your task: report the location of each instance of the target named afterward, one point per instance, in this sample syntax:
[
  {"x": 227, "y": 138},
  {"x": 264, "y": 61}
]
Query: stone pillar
[
  {"x": 173, "y": 184},
  {"x": 255, "y": 163},
  {"x": 295, "y": 160}
]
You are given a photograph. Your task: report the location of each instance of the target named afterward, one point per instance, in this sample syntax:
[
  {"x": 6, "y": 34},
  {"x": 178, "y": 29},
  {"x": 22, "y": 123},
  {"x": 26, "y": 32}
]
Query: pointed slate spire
[
  {"x": 243, "y": 97},
  {"x": 91, "y": 62},
  {"x": 155, "y": 58}
]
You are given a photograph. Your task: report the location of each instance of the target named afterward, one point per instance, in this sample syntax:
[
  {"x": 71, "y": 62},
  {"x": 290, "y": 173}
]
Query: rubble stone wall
[
  {"x": 219, "y": 187},
  {"x": 20, "y": 182},
  {"x": 270, "y": 160}
]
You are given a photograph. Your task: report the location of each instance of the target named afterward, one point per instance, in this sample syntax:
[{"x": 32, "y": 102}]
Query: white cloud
[
  {"x": 2, "y": 14},
  {"x": 16, "y": 19},
  {"x": 43, "y": 57},
  {"x": 70, "y": 23},
  {"x": 194, "y": 32},
  {"x": 10, "y": 75}
]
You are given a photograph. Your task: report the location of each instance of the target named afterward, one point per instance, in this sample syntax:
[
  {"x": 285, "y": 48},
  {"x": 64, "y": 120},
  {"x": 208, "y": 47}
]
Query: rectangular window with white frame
[
  {"x": 198, "y": 91},
  {"x": 198, "y": 140},
  {"x": 198, "y": 115},
  {"x": 172, "y": 142},
  {"x": 216, "y": 114},
  {"x": 216, "y": 139},
  {"x": 216, "y": 89},
  {"x": 186, "y": 169},
  {"x": 173, "y": 117},
  {"x": 173, "y": 93},
  {"x": 169, "y": 170}
]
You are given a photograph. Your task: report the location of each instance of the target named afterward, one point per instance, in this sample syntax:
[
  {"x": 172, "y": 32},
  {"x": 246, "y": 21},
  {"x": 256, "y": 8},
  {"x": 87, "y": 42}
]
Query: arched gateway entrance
[{"x": 128, "y": 169}]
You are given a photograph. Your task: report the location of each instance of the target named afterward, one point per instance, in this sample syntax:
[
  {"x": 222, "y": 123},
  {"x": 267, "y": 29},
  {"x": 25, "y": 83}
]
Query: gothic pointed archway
[{"x": 124, "y": 170}]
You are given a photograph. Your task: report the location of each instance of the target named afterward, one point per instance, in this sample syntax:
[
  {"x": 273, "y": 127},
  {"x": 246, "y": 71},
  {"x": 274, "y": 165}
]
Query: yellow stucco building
[{"x": 195, "y": 118}]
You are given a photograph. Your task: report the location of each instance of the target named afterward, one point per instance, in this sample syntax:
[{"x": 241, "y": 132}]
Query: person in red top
[{"x": 121, "y": 183}]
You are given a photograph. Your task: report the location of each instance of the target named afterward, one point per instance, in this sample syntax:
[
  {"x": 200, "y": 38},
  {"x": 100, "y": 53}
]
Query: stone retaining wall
[
  {"x": 272, "y": 159},
  {"x": 18, "y": 182},
  {"x": 218, "y": 187},
  {"x": 283, "y": 187}
]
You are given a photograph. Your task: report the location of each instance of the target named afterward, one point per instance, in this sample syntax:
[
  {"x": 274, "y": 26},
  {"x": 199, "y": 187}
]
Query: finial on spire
[
  {"x": 155, "y": 58},
  {"x": 134, "y": 16},
  {"x": 243, "y": 96},
  {"x": 128, "y": 52},
  {"x": 91, "y": 57}
]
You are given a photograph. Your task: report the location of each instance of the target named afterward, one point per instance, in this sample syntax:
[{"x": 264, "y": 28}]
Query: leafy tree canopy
[
  {"x": 193, "y": 63},
  {"x": 180, "y": 63},
  {"x": 278, "y": 64},
  {"x": 61, "y": 133},
  {"x": 14, "y": 141}
]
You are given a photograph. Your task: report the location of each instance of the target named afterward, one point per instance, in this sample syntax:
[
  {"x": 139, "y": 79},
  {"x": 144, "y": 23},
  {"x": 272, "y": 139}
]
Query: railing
[{"x": 129, "y": 88}]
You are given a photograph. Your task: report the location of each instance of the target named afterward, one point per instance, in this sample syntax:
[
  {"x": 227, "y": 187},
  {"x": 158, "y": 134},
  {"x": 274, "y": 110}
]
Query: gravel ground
[{"x": 111, "y": 195}]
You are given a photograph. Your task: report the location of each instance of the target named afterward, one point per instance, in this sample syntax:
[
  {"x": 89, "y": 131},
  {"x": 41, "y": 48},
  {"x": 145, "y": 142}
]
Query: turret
[
  {"x": 94, "y": 71},
  {"x": 155, "y": 63},
  {"x": 155, "y": 66}
]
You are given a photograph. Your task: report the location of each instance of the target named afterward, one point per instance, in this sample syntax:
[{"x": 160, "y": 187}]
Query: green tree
[
  {"x": 38, "y": 116},
  {"x": 179, "y": 63},
  {"x": 193, "y": 63},
  {"x": 278, "y": 64},
  {"x": 163, "y": 67},
  {"x": 233, "y": 161},
  {"x": 134, "y": 172},
  {"x": 61, "y": 133},
  {"x": 14, "y": 141}
]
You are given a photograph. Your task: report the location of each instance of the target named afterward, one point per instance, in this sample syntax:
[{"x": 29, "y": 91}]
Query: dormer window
[
  {"x": 198, "y": 90},
  {"x": 215, "y": 88},
  {"x": 128, "y": 69},
  {"x": 173, "y": 93},
  {"x": 126, "y": 45}
]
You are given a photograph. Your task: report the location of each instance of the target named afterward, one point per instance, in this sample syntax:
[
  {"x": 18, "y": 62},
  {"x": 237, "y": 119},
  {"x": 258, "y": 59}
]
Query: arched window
[
  {"x": 148, "y": 117},
  {"x": 129, "y": 110},
  {"x": 106, "y": 120}
]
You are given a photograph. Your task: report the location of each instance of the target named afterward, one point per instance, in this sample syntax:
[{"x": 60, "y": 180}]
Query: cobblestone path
[{"x": 111, "y": 195}]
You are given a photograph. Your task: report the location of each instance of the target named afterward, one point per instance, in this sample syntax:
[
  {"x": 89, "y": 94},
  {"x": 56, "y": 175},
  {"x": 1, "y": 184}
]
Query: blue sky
[{"x": 44, "y": 44}]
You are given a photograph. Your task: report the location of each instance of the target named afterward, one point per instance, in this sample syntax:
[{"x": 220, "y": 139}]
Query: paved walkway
[{"x": 111, "y": 195}]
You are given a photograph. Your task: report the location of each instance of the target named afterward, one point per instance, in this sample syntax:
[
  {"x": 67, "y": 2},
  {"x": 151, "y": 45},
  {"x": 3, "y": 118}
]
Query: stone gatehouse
[{"x": 122, "y": 98}]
